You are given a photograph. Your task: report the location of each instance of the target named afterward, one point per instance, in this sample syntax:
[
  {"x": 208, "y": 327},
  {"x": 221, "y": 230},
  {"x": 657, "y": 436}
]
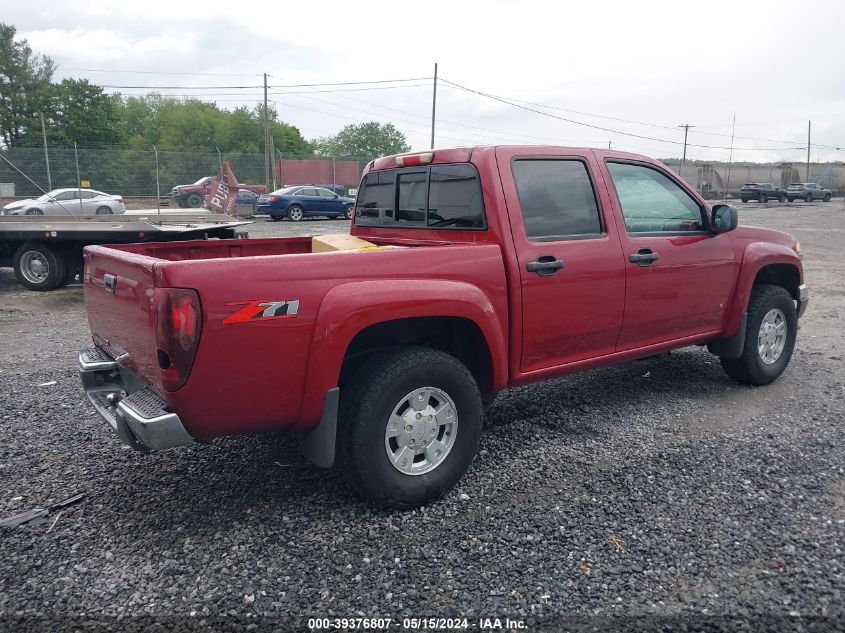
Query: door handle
[
  {"x": 545, "y": 265},
  {"x": 644, "y": 257}
]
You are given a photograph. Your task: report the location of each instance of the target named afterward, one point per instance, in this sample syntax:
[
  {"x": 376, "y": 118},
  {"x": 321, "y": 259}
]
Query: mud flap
[
  {"x": 318, "y": 444},
  {"x": 731, "y": 347}
]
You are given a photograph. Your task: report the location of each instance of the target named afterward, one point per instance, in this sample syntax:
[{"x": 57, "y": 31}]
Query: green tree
[
  {"x": 364, "y": 140},
  {"x": 80, "y": 112},
  {"x": 24, "y": 87}
]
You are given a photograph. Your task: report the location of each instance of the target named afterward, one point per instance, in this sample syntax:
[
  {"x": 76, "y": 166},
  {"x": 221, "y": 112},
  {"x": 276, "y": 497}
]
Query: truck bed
[{"x": 267, "y": 356}]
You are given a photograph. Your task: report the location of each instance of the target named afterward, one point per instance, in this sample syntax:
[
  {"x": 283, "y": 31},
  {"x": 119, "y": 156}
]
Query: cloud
[{"x": 663, "y": 63}]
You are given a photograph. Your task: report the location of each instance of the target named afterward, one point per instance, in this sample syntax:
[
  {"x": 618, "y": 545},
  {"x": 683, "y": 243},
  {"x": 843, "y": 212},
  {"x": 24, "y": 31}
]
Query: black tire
[
  {"x": 347, "y": 212},
  {"x": 366, "y": 404},
  {"x": 749, "y": 368},
  {"x": 782, "y": 198},
  {"x": 763, "y": 198},
  {"x": 808, "y": 197},
  {"x": 295, "y": 213},
  {"x": 182, "y": 204},
  {"x": 744, "y": 199},
  {"x": 103, "y": 210},
  {"x": 195, "y": 201},
  {"x": 33, "y": 211},
  {"x": 51, "y": 272},
  {"x": 790, "y": 199},
  {"x": 827, "y": 197}
]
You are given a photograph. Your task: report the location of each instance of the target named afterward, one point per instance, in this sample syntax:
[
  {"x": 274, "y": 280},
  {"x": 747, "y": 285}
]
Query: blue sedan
[{"x": 295, "y": 203}]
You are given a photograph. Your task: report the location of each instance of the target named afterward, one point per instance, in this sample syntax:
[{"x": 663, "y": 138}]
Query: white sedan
[{"x": 67, "y": 202}]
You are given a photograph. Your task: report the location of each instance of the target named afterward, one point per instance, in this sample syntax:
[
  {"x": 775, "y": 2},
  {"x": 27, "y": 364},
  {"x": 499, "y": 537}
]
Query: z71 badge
[{"x": 261, "y": 310}]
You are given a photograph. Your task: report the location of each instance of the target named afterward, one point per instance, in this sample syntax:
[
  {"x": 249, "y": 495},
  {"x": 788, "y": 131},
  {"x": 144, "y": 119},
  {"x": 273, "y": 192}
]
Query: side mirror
[{"x": 724, "y": 218}]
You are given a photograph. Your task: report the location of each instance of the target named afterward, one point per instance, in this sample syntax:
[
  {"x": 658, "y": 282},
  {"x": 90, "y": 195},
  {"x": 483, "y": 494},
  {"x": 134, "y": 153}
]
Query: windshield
[
  {"x": 49, "y": 195},
  {"x": 284, "y": 191},
  {"x": 203, "y": 180}
]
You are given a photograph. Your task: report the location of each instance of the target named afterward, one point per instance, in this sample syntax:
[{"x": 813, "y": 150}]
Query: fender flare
[
  {"x": 349, "y": 308},
  {"x": 756, "y": 256}
]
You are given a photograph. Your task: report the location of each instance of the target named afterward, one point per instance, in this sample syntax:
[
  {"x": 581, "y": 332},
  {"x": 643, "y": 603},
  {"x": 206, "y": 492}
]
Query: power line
[
  {"x": 155, "y": 72},
  {"x": 604, "y": 129}
]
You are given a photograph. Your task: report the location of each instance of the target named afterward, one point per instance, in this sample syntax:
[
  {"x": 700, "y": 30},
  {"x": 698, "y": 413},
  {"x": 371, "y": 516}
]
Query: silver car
[{"x": 67, "y": 202}]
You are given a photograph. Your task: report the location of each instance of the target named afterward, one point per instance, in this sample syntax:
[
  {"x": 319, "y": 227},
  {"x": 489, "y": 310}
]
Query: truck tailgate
[{"x": 119, "y": 290}]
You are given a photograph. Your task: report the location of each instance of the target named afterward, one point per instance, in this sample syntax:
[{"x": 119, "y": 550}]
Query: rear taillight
[
  {"x": 272, "y": 199},
  {"x": 178, "y": 325},
  {"x": 119, "y": 199}
]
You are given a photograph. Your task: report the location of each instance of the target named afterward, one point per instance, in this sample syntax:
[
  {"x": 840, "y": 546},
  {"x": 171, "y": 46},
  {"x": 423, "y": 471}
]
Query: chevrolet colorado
[{"x": 506, "y": 265}]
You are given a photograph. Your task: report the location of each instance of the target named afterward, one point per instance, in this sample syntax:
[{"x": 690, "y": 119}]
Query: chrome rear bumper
[{"x": 137, "y": 414}]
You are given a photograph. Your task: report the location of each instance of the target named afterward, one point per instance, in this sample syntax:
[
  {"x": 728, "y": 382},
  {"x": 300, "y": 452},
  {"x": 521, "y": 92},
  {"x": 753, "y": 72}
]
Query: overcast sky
[{"x": 774, "y": 64}]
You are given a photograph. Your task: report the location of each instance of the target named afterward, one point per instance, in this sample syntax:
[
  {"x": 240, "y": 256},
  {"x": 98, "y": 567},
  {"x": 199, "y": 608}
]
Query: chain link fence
[
  {"x": 138, "y": 173},
  {"x": 720, "y": 180},
  {"x": 135, "y": 173}
]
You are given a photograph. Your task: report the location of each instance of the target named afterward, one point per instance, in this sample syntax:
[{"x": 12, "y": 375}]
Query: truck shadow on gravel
[{"x": 245, "y": 479}]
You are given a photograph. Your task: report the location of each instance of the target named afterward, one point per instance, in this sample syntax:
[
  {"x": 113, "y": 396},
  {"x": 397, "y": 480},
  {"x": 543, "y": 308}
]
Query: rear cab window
[{"x": 438, "y": 196}]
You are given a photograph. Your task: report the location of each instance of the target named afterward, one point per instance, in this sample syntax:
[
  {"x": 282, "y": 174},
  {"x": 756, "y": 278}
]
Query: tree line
[{"x": 75, "y": 110}]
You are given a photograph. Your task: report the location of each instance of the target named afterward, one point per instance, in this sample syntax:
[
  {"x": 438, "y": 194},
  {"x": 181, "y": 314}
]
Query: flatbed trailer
[{"x": 46, "y": 251}]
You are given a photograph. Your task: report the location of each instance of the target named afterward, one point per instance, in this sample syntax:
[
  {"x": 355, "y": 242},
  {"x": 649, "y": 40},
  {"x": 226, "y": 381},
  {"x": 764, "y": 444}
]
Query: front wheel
[
  {"x": 769, "y": 339},
  {"x": 33, "y": 212},
  {"x": 295, "y": 214},
  {"x": 827, "y": 197},
  {"x": 347, "y": 212},
  {"x": 744, "y": 199},
  {"x": 410, "y": 421},
  {"x": 790, "y": 199},
  {"x": 763, "y": 198},
  {"x": 781, "y": 198},
  {"x": 195, "y": 201},
  {"x": 808, "y": 197}
]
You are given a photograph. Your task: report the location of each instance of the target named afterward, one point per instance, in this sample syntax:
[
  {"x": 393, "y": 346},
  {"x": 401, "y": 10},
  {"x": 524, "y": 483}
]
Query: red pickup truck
[
  {"x": 506, "y": 265},
  {"x": 194, "y": 195}
]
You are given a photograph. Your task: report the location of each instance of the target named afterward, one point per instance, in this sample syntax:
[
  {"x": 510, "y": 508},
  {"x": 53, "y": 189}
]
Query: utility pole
[
  {"x": 809, "y": 124},
  {"x": 730, "y": 158},
  {"x": 686, "y": 127},
  {"x": 433, "y": 104},
  {"x": 608, "y": 144},
  {"x": 46, "y": 155},
  {"x": 267, "y": 155}
]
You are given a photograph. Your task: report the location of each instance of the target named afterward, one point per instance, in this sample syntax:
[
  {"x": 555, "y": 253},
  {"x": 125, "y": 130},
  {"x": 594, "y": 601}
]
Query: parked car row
[
  {"x": 75, "y": 201},
  {"x": 301, "y": 201},
  {"x": 765, "y": 191}
]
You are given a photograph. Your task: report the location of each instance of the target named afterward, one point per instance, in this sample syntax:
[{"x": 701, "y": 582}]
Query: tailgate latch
[{"x": 110, "y": 281}]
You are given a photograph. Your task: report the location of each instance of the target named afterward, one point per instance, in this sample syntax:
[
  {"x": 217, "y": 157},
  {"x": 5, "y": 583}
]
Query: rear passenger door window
[
  {"x": 653, "y": 203},
  {"x": 557, "y": 199}
]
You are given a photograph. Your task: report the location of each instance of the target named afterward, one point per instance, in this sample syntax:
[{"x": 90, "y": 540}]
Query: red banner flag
[{"x": 224, "y": 189}]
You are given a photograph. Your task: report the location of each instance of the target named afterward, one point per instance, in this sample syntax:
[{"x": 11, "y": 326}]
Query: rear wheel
[
  {"x": 808, "y": 197},
  {"x": 781, "y": 198},
  {"x": 763, "y": 198},
  {"x": 38, "y": 267},
  {"x": 827, "y": 197},
  {"x": 295, "y": 213},
  {"x": 744, "y": 199},
  {"x": 347, "y": 212},
  {"x": 770, "y": 337},
  {"x": 104, "y": 210},
  {"x": 790, "y": 199},
  {"x": 410, "y": 421}
]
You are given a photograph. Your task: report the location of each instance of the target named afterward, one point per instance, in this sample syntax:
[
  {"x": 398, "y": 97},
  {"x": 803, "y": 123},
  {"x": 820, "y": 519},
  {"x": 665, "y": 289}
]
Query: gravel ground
[{"x": 654, "y": 495}]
